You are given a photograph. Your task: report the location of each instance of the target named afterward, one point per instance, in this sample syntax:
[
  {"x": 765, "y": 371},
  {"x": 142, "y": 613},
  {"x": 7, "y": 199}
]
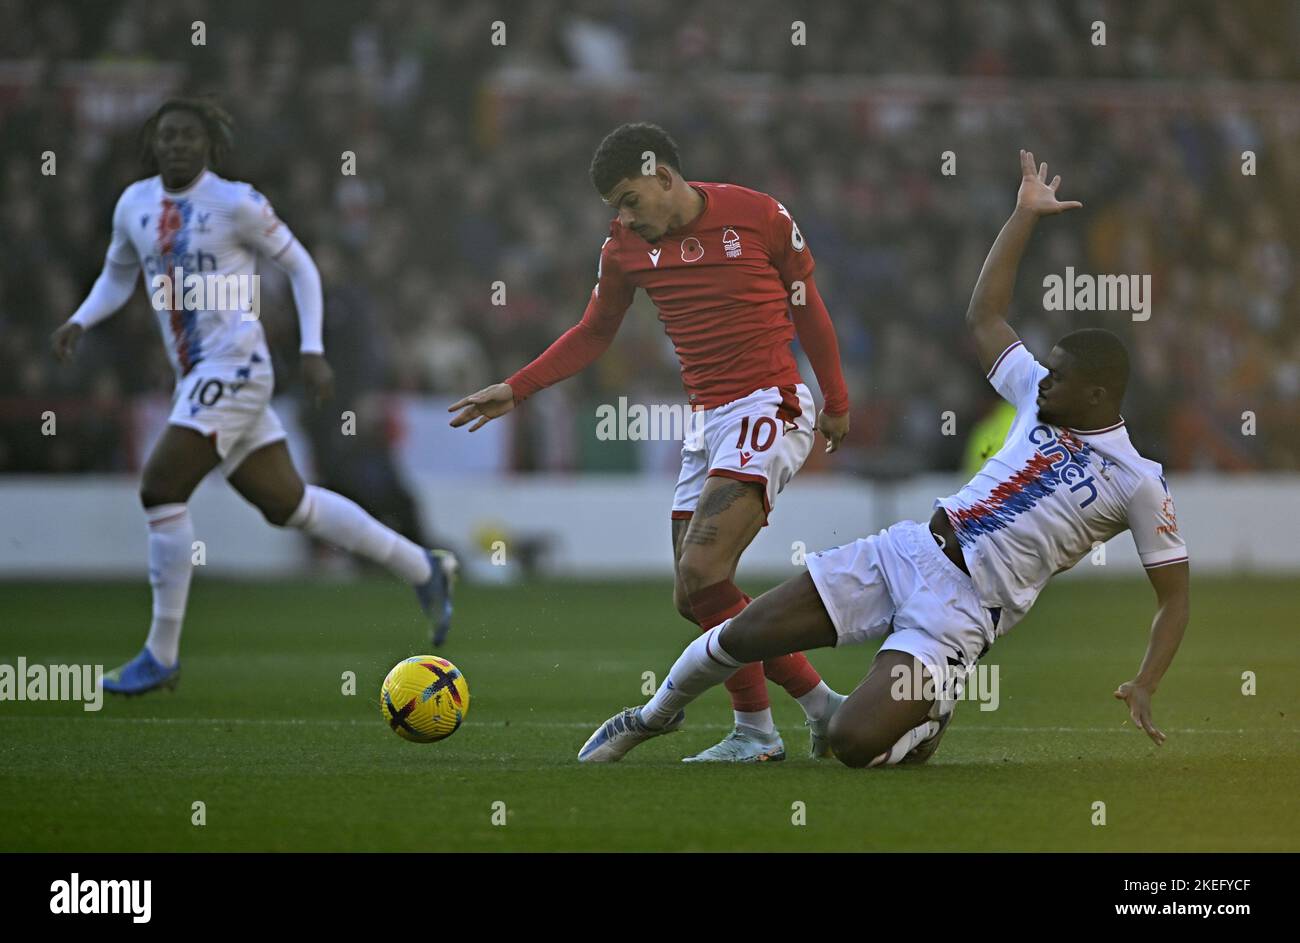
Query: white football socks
[
  {"x": 906, "y": 743},
  {"x": 816, "y": 701},
  {"x": 703, "y": 665},
  {"x": 334, "y": 518},
  {"x": 762, "y": 720},
  {"x": 171, "y": 540},
  {"x": 322, "y": 514}
]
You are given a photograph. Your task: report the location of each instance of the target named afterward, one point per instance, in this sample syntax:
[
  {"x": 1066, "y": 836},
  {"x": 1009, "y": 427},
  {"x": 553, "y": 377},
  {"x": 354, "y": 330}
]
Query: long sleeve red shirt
[{"x": 728, "y": 288}]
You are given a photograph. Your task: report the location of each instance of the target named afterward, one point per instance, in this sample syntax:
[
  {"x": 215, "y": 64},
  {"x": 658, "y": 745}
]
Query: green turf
[{"x": 260, "y": 732}]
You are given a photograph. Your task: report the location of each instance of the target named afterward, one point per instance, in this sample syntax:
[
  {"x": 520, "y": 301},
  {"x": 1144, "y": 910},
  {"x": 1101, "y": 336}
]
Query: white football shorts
[
  {"x": 898, "y": 585},
  {"x": 230, "y": 403},
  {"x": 764, "y": 437}
]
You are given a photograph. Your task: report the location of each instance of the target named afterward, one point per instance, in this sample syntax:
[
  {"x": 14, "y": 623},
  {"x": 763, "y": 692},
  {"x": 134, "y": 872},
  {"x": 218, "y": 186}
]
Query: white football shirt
[
  {"x": 212, "y": 227},
  {"x": 1050, "y": 493}
]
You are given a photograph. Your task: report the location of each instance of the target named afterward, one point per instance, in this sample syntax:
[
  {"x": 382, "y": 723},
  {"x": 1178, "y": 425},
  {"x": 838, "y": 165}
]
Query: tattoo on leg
[
  {"x": 702, "y": 534},
  {"x": 680, "y": 527},
  {"x": 720, "y": 499}
]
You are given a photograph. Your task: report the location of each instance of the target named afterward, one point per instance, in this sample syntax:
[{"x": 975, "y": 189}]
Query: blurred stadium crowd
[{"x": 472, "y": 167}]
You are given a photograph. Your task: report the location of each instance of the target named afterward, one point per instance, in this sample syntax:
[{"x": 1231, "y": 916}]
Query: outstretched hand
[
  {"x": 1036, "y": 194},
  {"x": 1138, "y": 699},
  {"x": 485, "y": 405}
]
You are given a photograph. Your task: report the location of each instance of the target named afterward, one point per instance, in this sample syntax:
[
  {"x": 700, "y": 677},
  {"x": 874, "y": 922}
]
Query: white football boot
[
  {"x": 616, "y": 736},
  {"x": 819, "y": 742},
  {"x": 744, "y": 744},
  {"x": 940, "y": 716}
]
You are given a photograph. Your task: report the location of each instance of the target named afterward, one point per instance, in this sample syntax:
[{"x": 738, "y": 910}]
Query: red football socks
[{"x": 714, "y": 605}]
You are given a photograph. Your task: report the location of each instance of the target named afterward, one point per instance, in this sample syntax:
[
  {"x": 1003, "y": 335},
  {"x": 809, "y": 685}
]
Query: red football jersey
[{"x": 722, "y": 286}]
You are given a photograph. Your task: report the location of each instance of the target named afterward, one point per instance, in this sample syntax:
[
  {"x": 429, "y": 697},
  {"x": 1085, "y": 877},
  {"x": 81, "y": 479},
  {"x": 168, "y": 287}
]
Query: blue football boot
[
  {"x": 141, "y": 674},
  {"x": 622, "y": 732},
  {"x": 435, "y": 593}
]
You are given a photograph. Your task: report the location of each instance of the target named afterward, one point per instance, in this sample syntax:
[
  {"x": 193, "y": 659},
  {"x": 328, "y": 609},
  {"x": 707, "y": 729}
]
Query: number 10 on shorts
[{"x": 764, "y": 432}]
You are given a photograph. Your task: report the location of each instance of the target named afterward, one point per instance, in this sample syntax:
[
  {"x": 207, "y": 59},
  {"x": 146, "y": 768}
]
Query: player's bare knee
[
  {"x": 856, "y": 754},
  {"x": 849, "y": 749},
  {"x": 155, "y": 493},
  {"x": 841, "y": 739},
  {"x": 851, "y": 745},
  {"x": 689, "y": 576},
  {"x": 277, "y": 512},
  {"x": 278, "y": 515},
  {"x": 696, "y": 572},
  {"x": 740, "y": 640},
  {"x": 851, "y": 757},
  {"x": 682, "y": 600}
]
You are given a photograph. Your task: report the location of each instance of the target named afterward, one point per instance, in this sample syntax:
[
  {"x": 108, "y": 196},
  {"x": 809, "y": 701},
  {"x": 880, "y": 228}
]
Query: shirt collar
[{"x": 1102, "y": 431}]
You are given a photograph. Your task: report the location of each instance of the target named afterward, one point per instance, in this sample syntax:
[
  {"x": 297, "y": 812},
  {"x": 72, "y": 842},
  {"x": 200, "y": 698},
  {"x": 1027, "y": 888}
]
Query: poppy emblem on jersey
[
  {"x": 692, "y": 251},
  {"x": 731, "y": 243}
]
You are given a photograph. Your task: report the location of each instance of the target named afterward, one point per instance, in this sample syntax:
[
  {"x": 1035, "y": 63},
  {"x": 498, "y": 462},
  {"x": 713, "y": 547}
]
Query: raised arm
[
  {"x": 573, "y": 351},
  {"x": 570, "y": 353},
  {"x": 987, "y": 314},
  {"x": 1172, "y": 609}
]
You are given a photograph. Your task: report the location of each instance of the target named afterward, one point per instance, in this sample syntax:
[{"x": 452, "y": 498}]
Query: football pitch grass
[{"x": 260, "y": 732}]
